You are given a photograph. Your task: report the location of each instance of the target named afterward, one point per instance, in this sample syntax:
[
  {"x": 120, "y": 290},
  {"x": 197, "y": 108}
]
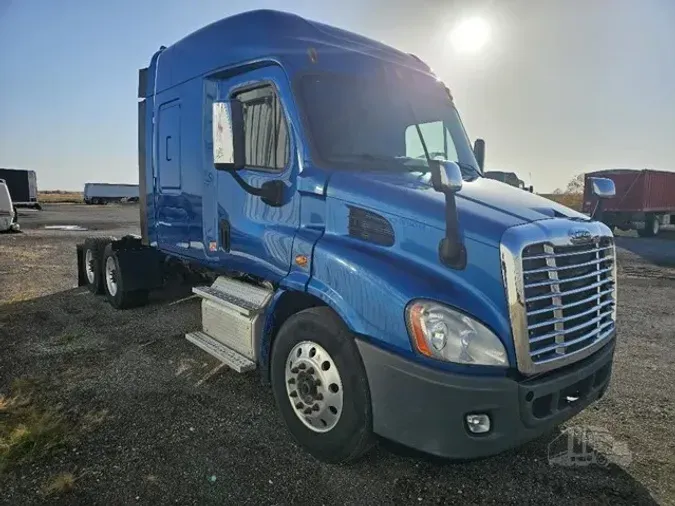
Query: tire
[
  {"x": 113, "y": 283},
  {"x": 16, "y": 215},
  {"x": 349, "y": 434},
  {"x": 92, "y": 255},
  {"x": 652, "y": 226},
  {"x": 655, "y": 227}
]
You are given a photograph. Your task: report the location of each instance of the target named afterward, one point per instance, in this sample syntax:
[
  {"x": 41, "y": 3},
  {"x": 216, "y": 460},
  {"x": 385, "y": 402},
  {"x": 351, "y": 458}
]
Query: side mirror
[
  {"x": 228, "y": 135},
  {"x": 446, "y": 176},
  {"x": 602, "y": 187},
  {"x": 479, "y": 152},
  {"x": 229, "y": 153}
]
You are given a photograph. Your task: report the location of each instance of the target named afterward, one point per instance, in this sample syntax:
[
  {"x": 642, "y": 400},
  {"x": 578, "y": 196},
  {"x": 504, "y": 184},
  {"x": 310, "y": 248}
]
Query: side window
[
  {"x": 266, "y": 132},
  {"x": 437, "y": 138}
]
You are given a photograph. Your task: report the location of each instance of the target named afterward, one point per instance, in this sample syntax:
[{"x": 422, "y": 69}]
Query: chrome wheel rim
[
  {"x": 111, "y": 276},
  {"x": 314, "y": 386},
  {"x": 89, "y": 265}
]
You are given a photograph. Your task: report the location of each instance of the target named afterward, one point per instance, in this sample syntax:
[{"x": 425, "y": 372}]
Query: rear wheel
[
  {"x": 652, "y": 226},
  {"x": 93, "y": 258},
  {"x": 655, "y": 226},
  {"x": 115, "y": 291},
  {"x": 320, "y": 386}
]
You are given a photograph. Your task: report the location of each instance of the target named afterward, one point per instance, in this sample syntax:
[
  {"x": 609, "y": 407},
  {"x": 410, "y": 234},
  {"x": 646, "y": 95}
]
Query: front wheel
[{"x": 320, "y": 386}]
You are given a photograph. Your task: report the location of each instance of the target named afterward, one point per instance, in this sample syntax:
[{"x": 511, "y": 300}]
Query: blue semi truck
[{"x": 359, "y": 260}]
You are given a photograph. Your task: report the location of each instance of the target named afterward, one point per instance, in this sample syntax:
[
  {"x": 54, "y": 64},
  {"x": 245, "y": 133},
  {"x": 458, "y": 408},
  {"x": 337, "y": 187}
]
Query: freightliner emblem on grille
[{"x": 580, "y": 236}]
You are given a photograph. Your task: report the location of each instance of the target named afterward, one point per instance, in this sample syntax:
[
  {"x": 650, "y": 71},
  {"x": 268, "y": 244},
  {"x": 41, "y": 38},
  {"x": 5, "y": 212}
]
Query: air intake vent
[{"x": 371, "y": 227}]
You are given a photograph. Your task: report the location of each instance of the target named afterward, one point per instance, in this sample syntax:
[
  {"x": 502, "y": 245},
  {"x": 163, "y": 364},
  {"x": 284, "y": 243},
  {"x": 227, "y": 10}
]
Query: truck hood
[{"x": 486, "y": 208}]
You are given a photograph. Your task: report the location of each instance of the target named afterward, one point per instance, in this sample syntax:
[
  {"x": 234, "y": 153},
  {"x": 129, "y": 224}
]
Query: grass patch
[
  {"x": 19, "y": 297},
  {"x": 29, "y": 432},
  {"x": 24, "y": 386},
  {"x": 60, "y": 484},
  {"x": 60, "y": 197},
  {"x": 67, "y": 338},
  {"x": 24, "y": 255},
  {"x": 93, "y": 419}
]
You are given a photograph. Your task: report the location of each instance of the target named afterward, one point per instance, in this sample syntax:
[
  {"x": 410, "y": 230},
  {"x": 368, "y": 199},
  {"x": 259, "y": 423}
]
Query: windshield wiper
[
  {"x": 399, "y": 162},
  {"x": 468, "y": 170}
]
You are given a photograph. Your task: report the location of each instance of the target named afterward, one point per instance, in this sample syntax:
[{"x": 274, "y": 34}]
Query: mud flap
[
  {"x": 141, "y": 268},
  {"x": 81, "y": 276}
]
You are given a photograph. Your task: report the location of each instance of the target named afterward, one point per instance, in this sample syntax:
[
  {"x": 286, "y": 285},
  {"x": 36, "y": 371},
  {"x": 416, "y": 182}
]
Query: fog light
[{"x": 478, "y": 424}]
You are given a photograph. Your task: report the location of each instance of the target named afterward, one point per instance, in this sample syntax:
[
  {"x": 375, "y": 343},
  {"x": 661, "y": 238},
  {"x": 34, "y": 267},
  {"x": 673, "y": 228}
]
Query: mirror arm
[
  {"x": 597, "y": 212},
  {"x": 247, "y": 187},
  {"x": 451, "y": 251},
  {"x": 271, "y": 192}
]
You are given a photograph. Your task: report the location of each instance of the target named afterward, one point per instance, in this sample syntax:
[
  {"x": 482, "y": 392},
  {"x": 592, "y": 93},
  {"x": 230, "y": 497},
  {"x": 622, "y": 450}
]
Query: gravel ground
[{"x": 164, "y": 434}]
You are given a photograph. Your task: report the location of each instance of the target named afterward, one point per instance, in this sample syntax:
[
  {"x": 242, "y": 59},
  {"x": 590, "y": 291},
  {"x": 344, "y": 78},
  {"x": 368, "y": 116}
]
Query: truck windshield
[{"x": 372, "y": 120}]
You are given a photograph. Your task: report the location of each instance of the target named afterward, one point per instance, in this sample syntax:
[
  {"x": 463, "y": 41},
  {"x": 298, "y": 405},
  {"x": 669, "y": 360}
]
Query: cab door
[
  {"x": 256, "y": 237},
  {"x": 172, "y": 217}
]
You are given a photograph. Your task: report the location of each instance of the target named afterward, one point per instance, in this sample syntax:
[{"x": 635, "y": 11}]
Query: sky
[{"x": 561, "y": 87}]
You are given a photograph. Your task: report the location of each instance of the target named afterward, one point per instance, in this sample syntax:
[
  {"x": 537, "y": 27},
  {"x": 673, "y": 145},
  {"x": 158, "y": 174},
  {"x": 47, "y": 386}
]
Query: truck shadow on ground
[{"x": 169, "y": 434}]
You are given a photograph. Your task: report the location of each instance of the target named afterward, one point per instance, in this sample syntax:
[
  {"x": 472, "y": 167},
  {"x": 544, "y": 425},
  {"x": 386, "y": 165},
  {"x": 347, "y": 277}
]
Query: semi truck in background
[
  {"x": 105, "y": 193},
  {"x": 510, "y": 178},
  {"x": 376, "y": 290},
  {"x": 644, "y": 201},
  {"x": 22, "y": 185}
]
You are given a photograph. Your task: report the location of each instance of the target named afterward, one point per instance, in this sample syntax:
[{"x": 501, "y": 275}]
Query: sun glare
[{"x": 470, "y": 35}]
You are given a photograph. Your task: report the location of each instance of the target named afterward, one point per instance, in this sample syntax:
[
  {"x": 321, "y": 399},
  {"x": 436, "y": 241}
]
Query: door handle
[
  {"x": 225, "y": 235},
  {"x": 166, "y": 148}
]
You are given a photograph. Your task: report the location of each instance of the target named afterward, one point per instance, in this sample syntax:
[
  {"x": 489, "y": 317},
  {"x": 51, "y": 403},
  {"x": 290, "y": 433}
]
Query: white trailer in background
[
  {"x": 102, "y": 193},
  {"x": 8, "y": 219}
]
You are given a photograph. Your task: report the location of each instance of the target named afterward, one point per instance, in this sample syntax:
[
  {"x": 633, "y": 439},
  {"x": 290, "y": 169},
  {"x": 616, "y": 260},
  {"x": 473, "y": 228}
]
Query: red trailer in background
[{"x": 644, "y": 200}]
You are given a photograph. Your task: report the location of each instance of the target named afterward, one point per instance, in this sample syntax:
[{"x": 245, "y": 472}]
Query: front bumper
[{"x": 424, "y": 408}]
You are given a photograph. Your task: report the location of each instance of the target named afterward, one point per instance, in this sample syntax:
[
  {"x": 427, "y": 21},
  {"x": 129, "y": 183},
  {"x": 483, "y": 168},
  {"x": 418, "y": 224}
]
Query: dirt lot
[{"x": 113, "y": 409}]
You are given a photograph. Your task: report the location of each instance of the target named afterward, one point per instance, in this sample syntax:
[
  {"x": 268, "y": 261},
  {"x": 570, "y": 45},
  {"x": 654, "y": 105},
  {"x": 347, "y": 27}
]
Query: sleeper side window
[{"x": 265, "y": 129}]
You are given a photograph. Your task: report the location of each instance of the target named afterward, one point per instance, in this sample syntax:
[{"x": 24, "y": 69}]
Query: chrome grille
[
  {"x": 568, "y": 296},
  {"x": 561, "y": 293}
]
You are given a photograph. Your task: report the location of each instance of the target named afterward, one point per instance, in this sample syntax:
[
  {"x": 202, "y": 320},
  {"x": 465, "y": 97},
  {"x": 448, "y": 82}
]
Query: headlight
[{"x": 440, "y": 332}]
